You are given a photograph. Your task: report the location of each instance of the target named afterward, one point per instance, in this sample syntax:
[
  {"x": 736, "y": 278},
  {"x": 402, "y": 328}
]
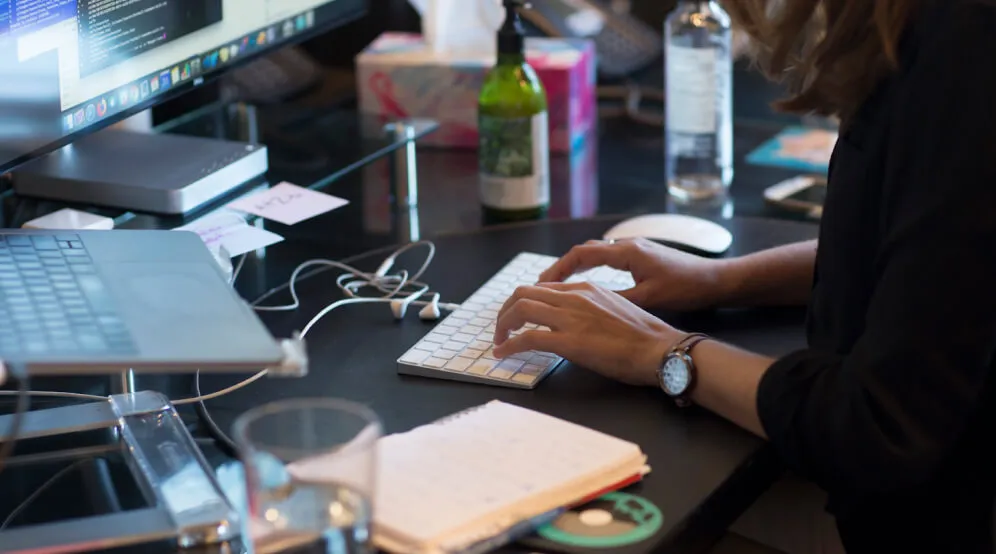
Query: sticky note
[
  {"x": 288, "y": 204},
  {"x": 231, "y": 231}
]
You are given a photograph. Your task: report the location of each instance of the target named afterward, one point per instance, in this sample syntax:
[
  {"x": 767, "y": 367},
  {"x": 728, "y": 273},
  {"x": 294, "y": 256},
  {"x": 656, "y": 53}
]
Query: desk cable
[
  {"x": 23, "y": 393},
  {"x": 398, "y": 288},
  {"x": 400, "y": 291}
]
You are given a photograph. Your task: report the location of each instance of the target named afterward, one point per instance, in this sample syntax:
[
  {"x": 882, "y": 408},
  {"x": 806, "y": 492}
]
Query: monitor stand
[{"x": 148, "y": 172}]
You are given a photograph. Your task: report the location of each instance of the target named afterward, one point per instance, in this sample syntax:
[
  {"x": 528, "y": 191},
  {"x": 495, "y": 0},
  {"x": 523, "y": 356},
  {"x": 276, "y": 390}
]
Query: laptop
[{"x": 96, "y": 302}]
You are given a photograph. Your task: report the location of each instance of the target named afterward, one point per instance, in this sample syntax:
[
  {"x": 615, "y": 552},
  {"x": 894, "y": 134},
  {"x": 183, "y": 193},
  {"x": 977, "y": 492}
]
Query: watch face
[{"x": 675, "y": 376}]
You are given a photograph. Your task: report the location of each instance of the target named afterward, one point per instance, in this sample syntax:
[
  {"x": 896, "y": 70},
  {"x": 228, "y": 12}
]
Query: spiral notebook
[{"x": 449, "y": 485}]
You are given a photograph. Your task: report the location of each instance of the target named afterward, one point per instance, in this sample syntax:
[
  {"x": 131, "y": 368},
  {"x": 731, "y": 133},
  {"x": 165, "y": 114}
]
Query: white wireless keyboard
[{"x": 460, "y": 347}]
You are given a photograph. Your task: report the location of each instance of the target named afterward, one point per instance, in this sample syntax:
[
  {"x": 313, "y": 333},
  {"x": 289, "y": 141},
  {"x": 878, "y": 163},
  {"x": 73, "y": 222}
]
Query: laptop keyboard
[{"x": 53, "y": 301}]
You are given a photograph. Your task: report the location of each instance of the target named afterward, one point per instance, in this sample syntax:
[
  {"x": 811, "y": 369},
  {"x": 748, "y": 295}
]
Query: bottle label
[
  {"x": 693, "y": 89},
  {"x": 515, "y": 162}
]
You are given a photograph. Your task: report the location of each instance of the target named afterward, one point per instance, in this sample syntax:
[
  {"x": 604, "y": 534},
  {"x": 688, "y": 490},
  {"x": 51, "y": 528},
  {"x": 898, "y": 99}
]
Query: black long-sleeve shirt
[{"x": 892, "y": 407}]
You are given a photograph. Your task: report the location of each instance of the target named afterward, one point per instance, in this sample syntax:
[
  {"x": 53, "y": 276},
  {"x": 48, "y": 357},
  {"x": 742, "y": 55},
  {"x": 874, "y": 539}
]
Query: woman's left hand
[{"x": 590, "y": 326}]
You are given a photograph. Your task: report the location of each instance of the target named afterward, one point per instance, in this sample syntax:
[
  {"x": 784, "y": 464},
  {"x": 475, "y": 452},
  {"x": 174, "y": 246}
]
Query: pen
[{"x": 512, "y": 534}]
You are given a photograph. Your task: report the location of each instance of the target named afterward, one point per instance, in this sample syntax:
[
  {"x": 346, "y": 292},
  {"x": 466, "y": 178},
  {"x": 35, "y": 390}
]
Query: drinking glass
[{"x": 310, "y": 468}]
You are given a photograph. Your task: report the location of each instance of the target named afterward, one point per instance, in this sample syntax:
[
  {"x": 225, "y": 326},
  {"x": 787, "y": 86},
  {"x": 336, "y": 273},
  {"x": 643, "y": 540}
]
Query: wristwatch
[{"x": 677, "y": 372}]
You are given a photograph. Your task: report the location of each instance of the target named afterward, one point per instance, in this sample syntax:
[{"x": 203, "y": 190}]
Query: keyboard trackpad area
[{"x": 171, "y": 293}]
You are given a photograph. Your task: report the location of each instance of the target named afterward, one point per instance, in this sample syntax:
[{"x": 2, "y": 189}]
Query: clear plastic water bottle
[{"x": 699, "y": 119}]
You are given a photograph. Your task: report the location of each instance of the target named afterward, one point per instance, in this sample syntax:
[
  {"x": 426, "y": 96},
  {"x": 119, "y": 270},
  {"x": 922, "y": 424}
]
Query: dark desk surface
[{"x": 705, "y": 470}]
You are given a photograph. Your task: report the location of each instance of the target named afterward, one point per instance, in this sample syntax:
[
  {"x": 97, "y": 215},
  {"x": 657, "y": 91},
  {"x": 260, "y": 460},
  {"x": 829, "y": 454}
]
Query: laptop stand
[{"x": 187, "y": 506}]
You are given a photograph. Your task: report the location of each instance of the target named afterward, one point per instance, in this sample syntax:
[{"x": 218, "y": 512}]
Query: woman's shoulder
[
  {"x": 943, "y": 27},
  {"x": 940, "y": 17}
]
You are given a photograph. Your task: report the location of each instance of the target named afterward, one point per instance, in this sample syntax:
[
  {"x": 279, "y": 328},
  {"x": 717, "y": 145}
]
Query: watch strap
[
  {"x": 686, "y": 343},
  {"x": 684, "y": 347}
]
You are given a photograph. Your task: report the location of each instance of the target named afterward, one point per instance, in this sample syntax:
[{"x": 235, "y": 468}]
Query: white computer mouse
[{"x": 682, "y": 231}]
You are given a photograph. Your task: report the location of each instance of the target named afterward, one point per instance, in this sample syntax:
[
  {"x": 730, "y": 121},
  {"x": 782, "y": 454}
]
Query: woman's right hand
[{"x": 665, "y": 278}]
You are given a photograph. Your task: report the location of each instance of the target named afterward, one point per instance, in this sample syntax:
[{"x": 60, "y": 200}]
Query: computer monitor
[{"x": 71, "y": 67}]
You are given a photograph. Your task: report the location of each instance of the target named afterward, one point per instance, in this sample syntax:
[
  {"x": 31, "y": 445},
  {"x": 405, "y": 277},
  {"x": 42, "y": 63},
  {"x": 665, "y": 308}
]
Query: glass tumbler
[{"x": 310, "y": 470}]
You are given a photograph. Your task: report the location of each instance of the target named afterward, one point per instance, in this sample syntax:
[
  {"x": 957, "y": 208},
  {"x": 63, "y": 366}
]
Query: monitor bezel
[{"x": 354, "y": 10}]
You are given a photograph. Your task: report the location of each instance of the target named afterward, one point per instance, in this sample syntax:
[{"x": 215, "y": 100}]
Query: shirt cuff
[{"x": 781, "y": 393}]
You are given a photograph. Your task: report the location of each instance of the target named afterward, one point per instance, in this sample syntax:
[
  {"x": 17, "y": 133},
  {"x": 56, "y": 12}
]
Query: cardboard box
[{"x": 399, "y": 77}]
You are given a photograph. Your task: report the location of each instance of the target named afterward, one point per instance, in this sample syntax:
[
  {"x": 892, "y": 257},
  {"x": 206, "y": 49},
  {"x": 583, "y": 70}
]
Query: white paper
[
  {"x": 231, "y": 232},
  {"x": 288, "y": 204}
]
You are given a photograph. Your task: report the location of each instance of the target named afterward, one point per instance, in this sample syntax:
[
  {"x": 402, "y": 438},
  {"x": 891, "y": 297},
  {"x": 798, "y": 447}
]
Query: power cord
[
  {"x": 40, "y": 491},
  {"x": 401, "y": 289},
  {"x": 19, "y": 373}
]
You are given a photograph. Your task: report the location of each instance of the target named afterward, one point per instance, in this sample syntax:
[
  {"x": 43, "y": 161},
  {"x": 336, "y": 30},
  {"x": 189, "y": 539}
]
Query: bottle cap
[{"x": 511, "y": 36}]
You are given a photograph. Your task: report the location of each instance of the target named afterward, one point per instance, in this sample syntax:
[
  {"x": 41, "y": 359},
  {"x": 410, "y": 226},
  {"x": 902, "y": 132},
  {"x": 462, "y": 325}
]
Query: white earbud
[
  {"x": 399, "y": 307},
  {"x": 431, "y": 310}
]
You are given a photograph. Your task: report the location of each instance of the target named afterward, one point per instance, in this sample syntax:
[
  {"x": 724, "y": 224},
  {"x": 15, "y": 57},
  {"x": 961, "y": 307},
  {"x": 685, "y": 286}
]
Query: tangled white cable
[{"x": 401, "y": 291}]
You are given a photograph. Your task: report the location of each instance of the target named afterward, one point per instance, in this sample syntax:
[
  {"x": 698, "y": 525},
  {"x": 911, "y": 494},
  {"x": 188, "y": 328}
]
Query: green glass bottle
[{"x": 514, "y": 131}]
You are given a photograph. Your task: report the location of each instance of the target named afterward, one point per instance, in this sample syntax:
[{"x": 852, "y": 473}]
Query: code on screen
[{"x": 113, "y": 31}]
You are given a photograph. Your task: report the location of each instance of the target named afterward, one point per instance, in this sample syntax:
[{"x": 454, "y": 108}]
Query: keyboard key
[
  {"x": 415, "y": 356},
  {"x": 445, "y": 354},
  {"x": 472, "y": 353},
  {"x": 524, "y": 378},
  {"x": 480, "y": 345},
  {"x": 94, "y": 290},
  {"x": 434, "y": 362},
  {"x": 499, "y": 373},
  {"x": 481, "y": 367},
  {"x": 459, "y": 364},
  {"x": 18, "y": 240},
  {"x": 464, "y": 338},
  {"x": 510, "y": 364},
  {"x": 533, "y": 369},
  {"x": 454, "y": 346}
]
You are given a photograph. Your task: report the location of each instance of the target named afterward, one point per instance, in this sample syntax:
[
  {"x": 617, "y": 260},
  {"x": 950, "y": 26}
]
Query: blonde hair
[{"x": 832, "y": 54}]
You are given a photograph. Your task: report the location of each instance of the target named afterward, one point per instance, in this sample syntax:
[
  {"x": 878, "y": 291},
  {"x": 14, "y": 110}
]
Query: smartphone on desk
[{"x": 805, "y": 193}]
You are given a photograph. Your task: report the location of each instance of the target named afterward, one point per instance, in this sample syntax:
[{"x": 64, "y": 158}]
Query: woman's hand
[
  {"x": 589, "y": 326},
  {"x": 665, "y": 278}
]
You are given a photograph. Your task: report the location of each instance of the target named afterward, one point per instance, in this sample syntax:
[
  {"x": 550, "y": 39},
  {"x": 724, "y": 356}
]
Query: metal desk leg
[{"x": 404, "y": 168}]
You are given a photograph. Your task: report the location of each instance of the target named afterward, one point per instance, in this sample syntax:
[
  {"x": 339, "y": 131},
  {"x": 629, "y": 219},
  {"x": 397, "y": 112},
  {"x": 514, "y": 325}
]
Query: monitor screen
[{"x": 70, "y": 66}]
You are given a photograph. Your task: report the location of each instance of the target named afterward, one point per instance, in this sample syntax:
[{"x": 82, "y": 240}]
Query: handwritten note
[
  {"x": 231, "y": 232},
  {"x": 288, "y": 204}
]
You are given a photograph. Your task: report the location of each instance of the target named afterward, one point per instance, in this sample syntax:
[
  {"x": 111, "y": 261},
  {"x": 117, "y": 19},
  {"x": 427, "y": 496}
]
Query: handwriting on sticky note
[
  {"x": 288, "y": 204},
  {"x": 230, "y": 231}
]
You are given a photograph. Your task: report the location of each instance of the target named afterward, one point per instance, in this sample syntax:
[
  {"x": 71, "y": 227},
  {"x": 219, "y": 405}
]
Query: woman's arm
[
  {"x": 780, "y": 276},
  {"x": 885, "y": 415}
]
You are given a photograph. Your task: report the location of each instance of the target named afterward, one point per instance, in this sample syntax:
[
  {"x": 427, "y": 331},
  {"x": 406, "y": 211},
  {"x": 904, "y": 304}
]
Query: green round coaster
[{"x": 643, "y": 519}]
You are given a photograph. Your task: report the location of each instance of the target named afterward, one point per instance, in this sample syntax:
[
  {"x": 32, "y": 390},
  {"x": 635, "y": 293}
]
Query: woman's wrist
[
  {"x": 667, "y": 338},
  {"x": 728, "y": 282}
]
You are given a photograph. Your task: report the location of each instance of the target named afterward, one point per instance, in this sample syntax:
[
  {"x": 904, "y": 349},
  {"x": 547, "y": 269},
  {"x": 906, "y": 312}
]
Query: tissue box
[{"x": 399, "y": 77}]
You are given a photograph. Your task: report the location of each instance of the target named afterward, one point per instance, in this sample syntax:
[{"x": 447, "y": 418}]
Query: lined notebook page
[{"x": 444, "y": 476}]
